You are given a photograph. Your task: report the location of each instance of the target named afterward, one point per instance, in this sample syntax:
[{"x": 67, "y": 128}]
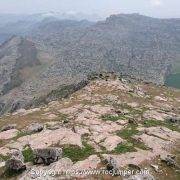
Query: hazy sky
[{"x": 156, "y": 8}]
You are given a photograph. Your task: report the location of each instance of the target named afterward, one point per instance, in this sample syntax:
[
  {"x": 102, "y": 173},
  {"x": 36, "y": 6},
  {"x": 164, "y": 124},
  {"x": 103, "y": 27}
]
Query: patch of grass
[
  {"x": 21, "y": 134},
  {"x": 128, "y": 132},
  {"x": 76, "y": 153},
  {"x": 109, "y": 117},
  {"x": 125, "y": 147},
  {"x": 139, "y": 111},
  {"x": 171, "y": 126},
  {"x": 4, "y": 158},
  {"x": 154, "y": 123},
  {"x": 28, "y": 154}
]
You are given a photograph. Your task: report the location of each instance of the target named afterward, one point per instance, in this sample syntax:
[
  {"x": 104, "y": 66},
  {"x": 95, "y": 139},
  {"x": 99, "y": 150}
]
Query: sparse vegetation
[
  {"x": 76, "y": 153},
  {"x": 128, "y": 133},
  {"x": 109, "y": 117},
  {"x": 28, "y": 154},
  {"x": 4, "y": 158},
  {"x": 171, "y": 126},
  {"x": 124, "y": 147},
  {"x": 151, "y": 123},
  {"x": 154, "y": 123},
  {"x": 138, "y": 144},
  {"x": 21, "y": 134}
]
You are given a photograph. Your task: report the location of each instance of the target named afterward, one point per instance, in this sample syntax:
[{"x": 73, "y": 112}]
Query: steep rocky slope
[
  {"x": 133, "y": 44},
  {"x": 16, "y": 55},
  {"x": 110, "y": 124},
  {"x": 62, "y": 53},
  {"x": 25, "y": 75}
]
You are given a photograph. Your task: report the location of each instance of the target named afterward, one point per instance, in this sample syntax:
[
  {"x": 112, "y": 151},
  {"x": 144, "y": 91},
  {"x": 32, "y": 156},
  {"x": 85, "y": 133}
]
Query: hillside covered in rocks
[
  {"x": 48, "y": 54},
  {"x": 109, "y": 125}
]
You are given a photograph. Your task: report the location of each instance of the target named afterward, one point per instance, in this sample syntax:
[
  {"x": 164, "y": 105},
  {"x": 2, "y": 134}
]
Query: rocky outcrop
[
  {"x": 34, "y": 128},
  {"x": 15, "y": 163},
  {"x": 47, "y": 156}
]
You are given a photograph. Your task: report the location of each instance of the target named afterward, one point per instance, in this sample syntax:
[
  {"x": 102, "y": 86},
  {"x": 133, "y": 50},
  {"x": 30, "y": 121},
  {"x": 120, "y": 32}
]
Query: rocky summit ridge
[{"x": 109, "y": 124}]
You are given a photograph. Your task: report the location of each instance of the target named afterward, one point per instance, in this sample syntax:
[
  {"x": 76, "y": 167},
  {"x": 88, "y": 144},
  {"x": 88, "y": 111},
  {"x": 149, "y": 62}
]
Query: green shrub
[{"x": 28, "y": 154}]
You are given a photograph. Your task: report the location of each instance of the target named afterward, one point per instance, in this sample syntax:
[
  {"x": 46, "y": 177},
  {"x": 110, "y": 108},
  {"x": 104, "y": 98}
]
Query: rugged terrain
[
  {"x": 110, "y": 124},
  {"x": 53, "y": 54},
  {"x": 137, "y": 45}
]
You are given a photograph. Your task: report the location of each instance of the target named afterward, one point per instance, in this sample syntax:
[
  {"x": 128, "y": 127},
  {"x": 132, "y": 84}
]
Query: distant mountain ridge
[
  {"x": 57, "y": 53},
  {"x": 132, "y": 44}
]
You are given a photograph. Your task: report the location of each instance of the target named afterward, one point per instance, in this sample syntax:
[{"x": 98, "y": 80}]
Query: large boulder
[
  {"x": 35, "y": 127},
  {"x": 111, "y": 142},
  {"x": 15, "y": 165},
  {"x": 111, "y": 164},
  {"x": 16, "y": 162},
  {"x": 16, "y": 154},
  {"x": 173, "y": 119},
  {"x": 47, "y": 155}
]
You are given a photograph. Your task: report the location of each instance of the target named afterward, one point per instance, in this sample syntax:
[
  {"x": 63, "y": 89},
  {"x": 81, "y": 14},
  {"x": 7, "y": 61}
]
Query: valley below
[{"x": 173, "y": 80}]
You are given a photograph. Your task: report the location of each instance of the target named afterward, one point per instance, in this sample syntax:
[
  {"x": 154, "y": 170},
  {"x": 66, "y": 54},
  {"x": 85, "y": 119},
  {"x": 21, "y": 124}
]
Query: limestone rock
[
  {"x": 35, "y": 127},
  {"x": 152, "y": 114},
  {"x": 48, "y": 138},
  {"x": 90, "y": 163},
  {"x": 111, "y": 163},
  {"x": 16, "y": 154},
  {"x": 9, "y": 134},
  {"x": 47, "y": 156},
  {"x": 173, "y": 119},
  {"x": 15, "y": 165},
  {"x": 111, "y": 142}
]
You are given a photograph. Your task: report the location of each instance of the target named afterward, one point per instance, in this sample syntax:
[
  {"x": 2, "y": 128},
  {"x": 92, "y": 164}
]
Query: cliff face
[{"x": 16, "y": 55}]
